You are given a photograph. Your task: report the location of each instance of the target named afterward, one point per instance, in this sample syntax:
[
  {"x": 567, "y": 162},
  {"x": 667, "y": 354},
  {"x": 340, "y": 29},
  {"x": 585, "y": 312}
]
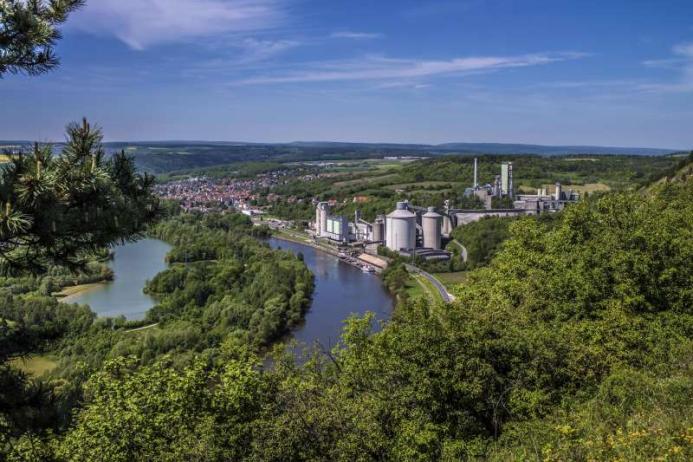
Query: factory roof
[
  {"x": 401, "y": 214},
  {"x": 432, "y": 213},
  {"x": 402, "y": 211}
]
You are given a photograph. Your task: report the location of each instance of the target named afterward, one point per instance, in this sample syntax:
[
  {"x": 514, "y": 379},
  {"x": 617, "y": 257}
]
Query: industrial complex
[{"x": 414, "y": 231}]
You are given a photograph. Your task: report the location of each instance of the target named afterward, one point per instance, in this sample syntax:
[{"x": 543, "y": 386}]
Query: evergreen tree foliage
[
  {"x": 59, "y": 209},
  {"x": 28, "y": 33},
  {"x": 574, "y": 343}
]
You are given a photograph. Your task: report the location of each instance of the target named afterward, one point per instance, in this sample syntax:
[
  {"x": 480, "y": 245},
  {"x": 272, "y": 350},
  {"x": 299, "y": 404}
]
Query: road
[
  {"x": 445, "y": 295},
  {"x": 463, "y": 249},
  {"x": 143, "y": 328}
]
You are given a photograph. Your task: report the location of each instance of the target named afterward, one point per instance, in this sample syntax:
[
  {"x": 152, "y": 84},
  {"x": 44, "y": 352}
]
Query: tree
[
  {"x": 59, "y": 209},
  {"x": 28, "y": 33}
]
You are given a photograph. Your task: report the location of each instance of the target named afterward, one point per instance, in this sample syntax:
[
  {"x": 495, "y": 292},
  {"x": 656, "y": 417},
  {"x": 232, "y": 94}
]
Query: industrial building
[
  {"x": 400, "y": 228},
  {"x": 507, "y": 179},
  {"x": 502, "y": 185},
  {"x": 543, "y": 202},
  {"x": 337, "y": 229},
  {"x": 321, "y": 212},
  {"x": 418, "y": 232},
  {"x": 432, "y": 224}
]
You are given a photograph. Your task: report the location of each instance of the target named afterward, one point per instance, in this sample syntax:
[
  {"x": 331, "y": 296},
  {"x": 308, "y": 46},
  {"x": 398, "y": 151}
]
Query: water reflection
[
  {"x": 133, "y": 264},
  {"x": 340, "y": 290}
]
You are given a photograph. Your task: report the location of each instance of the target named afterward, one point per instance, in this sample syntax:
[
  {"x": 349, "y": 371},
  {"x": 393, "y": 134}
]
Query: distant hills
[
  {"x": 501, "y": 148},
  {"x": 495, "y": 148},
  {"x": 166, "y": 156}
]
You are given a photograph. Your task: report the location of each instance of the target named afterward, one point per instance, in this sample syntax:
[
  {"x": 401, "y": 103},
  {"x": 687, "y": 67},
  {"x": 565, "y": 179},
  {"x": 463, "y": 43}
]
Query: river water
[{"x": 340, "y": 289}]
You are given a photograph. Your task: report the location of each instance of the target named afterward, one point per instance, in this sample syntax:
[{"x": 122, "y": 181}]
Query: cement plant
[{"x": 422, "y": 232}]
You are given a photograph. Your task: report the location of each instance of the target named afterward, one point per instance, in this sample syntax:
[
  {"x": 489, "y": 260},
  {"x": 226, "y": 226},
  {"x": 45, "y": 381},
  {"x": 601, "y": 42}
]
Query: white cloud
[
  {"x": 356, "y": 35},
  {"x": 684, "y": 49},
  {"x": 682, "y": 62},
  {"x": 145, "y": 23},
  {"x": 379, "y": 68},
  {"x": 256, "y": 49}
]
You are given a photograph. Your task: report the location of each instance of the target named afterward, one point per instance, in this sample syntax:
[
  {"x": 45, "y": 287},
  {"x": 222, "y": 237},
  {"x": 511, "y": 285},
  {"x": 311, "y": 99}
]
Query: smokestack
[
  {"x": 510, "y": 179},
  {"x": 476, "y": 173}
]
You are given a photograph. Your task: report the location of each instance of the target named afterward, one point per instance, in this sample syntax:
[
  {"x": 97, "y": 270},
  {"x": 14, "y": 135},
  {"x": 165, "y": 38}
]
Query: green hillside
[{"x": 574, "y": 343}]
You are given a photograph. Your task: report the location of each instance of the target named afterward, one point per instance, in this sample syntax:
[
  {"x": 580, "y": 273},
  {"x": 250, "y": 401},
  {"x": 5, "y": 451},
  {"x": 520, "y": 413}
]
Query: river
[{"x": 340, "y": 289}]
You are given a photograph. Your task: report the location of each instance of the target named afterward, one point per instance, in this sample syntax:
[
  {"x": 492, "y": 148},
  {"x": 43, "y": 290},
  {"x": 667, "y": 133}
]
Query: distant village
[{"x": 205, "y": 193}]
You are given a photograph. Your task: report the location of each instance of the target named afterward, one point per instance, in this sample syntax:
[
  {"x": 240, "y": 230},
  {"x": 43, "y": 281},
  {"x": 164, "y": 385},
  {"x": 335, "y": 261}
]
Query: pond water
[
  {"x": 133, "y": 264},
  {"x": 340, "y": 289}
]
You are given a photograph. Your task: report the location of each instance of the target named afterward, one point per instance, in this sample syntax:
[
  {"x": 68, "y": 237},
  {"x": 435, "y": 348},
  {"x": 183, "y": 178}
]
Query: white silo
[
  {"x": 321, "y": 213},
  {"x": 379, "y": 229},
  {"x": 400, "y": 228},
  {"x": 558, "y": 192},
  {"x": 431, "y": 223}
]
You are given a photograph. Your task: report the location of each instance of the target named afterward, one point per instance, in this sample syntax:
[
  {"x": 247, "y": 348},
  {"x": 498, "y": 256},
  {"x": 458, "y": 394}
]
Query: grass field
[
  {"x": 441, "y": 185},
  {"x": 368, "y": 180},
  {"x": 451, "y": 279},
  {"x": 35, "y": 365},
  {"x": 580, "y": 188},
  {"x": 415, "y": 289},
  {"x": 429, "y": 289}
]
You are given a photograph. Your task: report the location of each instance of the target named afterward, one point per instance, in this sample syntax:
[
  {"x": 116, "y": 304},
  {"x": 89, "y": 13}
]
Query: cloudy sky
[{"x": 607, "y": 72}]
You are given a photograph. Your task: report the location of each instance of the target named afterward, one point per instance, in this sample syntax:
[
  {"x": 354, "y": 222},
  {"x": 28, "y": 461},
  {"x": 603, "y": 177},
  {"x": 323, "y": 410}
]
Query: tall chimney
[{"x": 476, "y": 173}]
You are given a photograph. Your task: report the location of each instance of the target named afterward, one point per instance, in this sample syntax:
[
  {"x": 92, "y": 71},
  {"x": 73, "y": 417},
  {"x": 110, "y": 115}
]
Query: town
[{"x": 421, "y": 235}]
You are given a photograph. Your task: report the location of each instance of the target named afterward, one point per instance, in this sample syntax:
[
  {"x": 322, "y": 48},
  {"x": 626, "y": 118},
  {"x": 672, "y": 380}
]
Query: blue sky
[{"x": 609, "y": 72}]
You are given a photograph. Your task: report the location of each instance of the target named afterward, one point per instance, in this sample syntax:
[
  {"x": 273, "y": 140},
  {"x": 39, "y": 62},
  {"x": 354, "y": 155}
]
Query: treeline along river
[{"x": 340, "y": 289}]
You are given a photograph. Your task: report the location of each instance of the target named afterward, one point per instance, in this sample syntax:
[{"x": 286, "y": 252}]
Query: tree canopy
[
  {"x": 574, "y": 343},
  {"x": 57, "y": 209},
  {"x": 28, "y": 34}
]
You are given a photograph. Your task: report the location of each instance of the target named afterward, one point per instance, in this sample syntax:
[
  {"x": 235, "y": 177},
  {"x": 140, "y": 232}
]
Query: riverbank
[
  {"x": 70, "y": 293},
  {"x": 341, "y": 291},
  {"x": 289, "y": 236},
  {"x": 133, "y": 264}
]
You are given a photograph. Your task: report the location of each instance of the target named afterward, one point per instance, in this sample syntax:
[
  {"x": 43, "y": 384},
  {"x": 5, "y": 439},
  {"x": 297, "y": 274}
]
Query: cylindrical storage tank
[
  {"x": 322, "y": 213},
  {"x": 318, "y": 221},
  {"x": 379, "y": 229},
  {"x": 558, "y": 191},
  {"x": 432, "y": 223},
  {"x": 401, "y": 228}
]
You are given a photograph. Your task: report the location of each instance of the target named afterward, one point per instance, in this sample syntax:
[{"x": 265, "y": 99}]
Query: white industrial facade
[
  {"x": 337, "y": 229},
  {"x": 432, "y": 224},
  {"x": 400, "y": 228}
]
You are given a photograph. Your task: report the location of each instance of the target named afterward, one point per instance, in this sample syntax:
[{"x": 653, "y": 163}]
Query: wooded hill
[{"x": 574, "y": 343}]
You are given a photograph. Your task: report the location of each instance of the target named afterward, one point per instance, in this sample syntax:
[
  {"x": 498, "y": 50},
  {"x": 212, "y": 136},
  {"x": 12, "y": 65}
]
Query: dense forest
[
  {"x": 483, "y": 238},
  {"x": 572, "y": 338},
  {"x": 573, "y": 343},
  {"x": 222, "y": 280},
  {"x": 224, "y": 288},
  {"x": 170, "y": 156}
]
